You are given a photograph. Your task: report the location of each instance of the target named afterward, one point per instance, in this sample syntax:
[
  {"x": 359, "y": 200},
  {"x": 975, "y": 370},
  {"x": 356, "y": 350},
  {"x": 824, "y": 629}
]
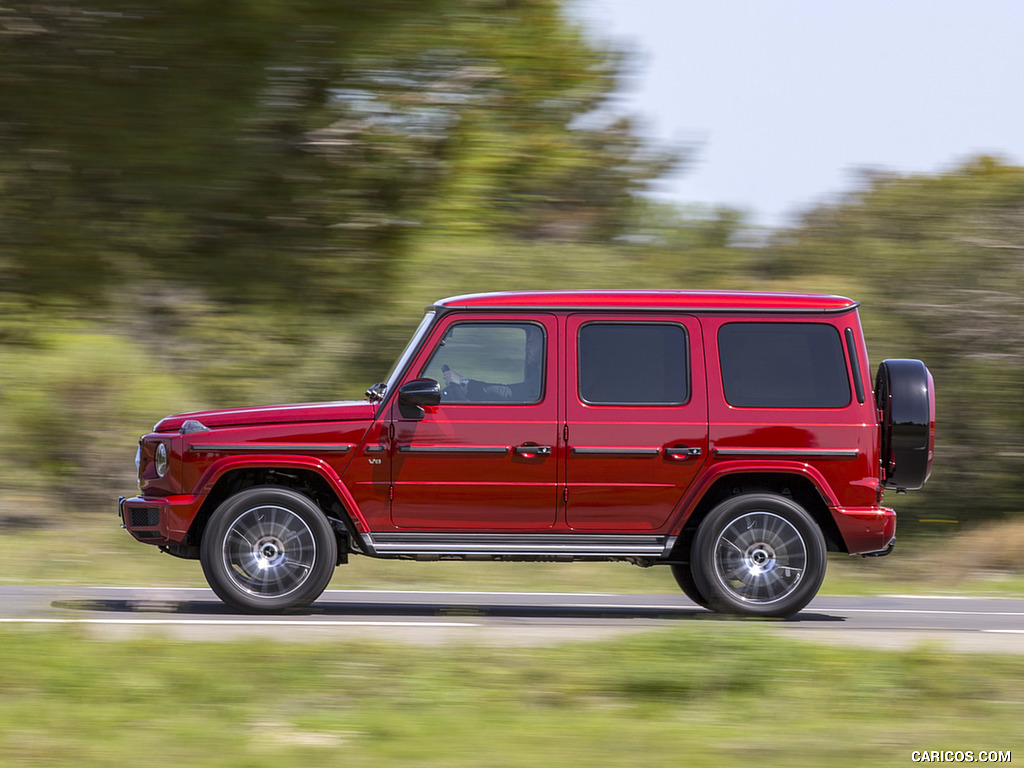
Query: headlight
[{"x": 160, "y": 459}]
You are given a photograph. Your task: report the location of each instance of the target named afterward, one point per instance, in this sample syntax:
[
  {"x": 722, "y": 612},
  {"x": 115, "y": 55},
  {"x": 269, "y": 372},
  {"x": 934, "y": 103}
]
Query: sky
[{"x": 787, "y": 101}]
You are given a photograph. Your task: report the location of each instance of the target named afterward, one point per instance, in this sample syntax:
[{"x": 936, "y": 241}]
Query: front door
[
  {"x": 636, "y": 419},
  {"x": 486, "y": 457}
]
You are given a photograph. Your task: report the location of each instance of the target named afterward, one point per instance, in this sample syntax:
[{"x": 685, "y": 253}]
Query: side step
[{"x": 527, "y": 545}]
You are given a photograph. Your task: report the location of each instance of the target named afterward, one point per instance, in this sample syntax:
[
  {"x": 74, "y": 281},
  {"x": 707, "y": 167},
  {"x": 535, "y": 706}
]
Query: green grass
[{"x": 699, "y": 696}]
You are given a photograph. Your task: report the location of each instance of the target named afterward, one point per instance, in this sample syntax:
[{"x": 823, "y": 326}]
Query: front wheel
[
  {"x": 759, "y": 555},
  {"x": 268, "y": 550}
]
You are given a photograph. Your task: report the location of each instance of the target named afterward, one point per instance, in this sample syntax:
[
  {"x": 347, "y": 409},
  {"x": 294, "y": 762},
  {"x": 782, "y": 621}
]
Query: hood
[{"x": 352, "y": 410}]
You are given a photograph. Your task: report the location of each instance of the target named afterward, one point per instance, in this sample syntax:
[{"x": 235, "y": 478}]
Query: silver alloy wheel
[
  {"x": 269, "y": 551},
  {"x": 760, "y": 557}
]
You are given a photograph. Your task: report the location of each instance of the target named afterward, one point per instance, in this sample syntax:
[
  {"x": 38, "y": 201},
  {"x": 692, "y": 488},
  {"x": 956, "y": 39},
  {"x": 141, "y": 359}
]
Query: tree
[
  {"x": 941, "y": 262},
  {"x": 283, "y": 152}
]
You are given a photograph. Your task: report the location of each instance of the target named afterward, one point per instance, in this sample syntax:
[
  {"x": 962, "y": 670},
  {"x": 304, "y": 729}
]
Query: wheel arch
[
  {"x": 789, "y": 484},
  {"x": 301, "y": 479}
]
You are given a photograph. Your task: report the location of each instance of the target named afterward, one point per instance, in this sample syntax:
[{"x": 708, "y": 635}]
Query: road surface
[{"x": 993, "y": 625}]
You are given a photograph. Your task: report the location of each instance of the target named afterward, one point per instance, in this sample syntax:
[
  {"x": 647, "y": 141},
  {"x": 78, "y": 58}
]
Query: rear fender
[{"x": 808, "y": 485}]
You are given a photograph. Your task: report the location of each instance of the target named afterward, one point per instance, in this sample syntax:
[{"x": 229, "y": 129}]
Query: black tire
[
  {"x": 268, "y": 550},
  {"x": 684, "y": 578},
  {"x": 759, "y": 554},
  {"x": 905, "y": 395}
]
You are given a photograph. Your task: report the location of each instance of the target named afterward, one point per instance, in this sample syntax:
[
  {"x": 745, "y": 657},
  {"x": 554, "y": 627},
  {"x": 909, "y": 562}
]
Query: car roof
[{"x": 652, "y": 300}]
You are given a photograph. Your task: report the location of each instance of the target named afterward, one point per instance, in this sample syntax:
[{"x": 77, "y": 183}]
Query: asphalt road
[{"x": 504, "y": 618}]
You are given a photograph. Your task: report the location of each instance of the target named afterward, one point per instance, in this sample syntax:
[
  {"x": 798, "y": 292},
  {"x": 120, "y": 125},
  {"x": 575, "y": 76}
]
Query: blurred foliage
[
  {"x": 941, "y": 262},
  {"x": 283, "y": 152},
  {"x": 69, "y": 407},
  {"x": 206, "y": 203}
]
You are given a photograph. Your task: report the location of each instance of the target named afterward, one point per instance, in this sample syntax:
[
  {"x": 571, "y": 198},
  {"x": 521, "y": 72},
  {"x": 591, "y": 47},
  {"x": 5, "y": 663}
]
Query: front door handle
[
  {"x": 682, "y": 452},
  {"x": 533, "y": 450}
]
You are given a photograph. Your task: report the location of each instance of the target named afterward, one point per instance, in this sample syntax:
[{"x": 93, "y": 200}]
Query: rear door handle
[
  {"x": 533, "y": 450},
  {"x": 682, "y": 452}
]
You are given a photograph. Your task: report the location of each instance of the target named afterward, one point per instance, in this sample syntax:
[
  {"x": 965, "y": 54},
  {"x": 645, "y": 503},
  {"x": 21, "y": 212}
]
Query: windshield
[{"x": 403, "y": 360}]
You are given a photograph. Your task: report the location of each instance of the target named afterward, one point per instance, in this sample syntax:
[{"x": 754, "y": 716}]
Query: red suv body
[{"x": 735, "y": 437}]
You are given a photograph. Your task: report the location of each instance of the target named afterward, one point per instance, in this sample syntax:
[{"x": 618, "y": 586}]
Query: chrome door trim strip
[
  {"x": 271, "y": 447},
  {"x": 815, "y": 453},
  {"x": 453, "y": 449},
  {"x": 586, "y": 451}
]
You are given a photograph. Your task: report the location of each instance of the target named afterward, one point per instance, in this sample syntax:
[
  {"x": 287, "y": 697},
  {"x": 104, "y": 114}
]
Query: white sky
[{"x": 786, "y": 99}]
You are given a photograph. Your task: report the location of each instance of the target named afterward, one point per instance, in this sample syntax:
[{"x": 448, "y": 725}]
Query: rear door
[{"x": 636, "y": 418}]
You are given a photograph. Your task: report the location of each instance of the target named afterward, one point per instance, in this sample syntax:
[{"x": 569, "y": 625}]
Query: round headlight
[{"x": 160, "y": 459}]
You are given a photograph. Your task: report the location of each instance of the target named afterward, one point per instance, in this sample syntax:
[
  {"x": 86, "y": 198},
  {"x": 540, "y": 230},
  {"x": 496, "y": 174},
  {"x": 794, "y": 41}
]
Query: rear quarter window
[{"x": 783, "y": 365}]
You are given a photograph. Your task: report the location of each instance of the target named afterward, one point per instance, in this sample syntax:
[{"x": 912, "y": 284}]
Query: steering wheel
[{"x": 452, "y": 393}]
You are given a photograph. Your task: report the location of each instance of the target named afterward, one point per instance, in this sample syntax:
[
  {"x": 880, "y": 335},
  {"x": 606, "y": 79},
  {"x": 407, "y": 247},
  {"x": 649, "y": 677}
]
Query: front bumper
[{"x": 158, "y": 520}]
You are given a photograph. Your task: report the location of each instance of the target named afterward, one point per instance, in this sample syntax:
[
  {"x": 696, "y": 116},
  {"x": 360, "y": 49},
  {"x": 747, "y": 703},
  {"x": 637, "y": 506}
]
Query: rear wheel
[
  {"x": 759, "y": 555},
  {"x": 268, "y": 550},
  {"x": 684, "y": 578}
]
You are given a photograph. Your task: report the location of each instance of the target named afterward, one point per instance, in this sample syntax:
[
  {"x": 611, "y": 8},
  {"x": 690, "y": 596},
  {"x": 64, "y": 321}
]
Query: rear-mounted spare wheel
[{"x": 905, "y": 394}]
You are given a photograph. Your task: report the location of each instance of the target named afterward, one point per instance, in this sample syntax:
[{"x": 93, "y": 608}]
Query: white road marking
[
  {"x": 434, "y": 592},
  {"x": 246, "y": 622},
  {"x": 341, "y": 592},
  {"x": 133, "y": 589},
  {"x": 925, "y": 612},
  {"x": 566, "y": 595},
  {"x": 945, "y": 597}
]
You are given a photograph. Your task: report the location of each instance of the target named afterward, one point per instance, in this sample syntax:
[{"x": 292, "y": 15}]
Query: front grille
[
  {"x": 148, "y": 535},
  {"x": 143, "y": 517}
]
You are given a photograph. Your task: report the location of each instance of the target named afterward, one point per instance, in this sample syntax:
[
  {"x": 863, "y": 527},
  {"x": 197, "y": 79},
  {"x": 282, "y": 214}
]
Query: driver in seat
[{"x": 526, "y": 391}]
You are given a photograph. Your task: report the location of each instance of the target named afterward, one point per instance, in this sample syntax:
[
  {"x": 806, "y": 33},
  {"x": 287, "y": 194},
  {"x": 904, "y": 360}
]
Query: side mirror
[{"x": 416, "y": 395}]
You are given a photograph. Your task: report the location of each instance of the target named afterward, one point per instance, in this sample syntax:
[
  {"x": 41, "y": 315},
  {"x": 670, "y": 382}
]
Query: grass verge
[{"x": 714, "y": 696}]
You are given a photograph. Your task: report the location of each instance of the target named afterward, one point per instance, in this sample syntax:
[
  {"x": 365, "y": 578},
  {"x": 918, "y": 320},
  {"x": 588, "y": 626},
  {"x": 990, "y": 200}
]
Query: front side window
[
  {"x": 783, "y": 365},
  {"x": 482, "y": 363},
  {"x": 633, "y": 364}
]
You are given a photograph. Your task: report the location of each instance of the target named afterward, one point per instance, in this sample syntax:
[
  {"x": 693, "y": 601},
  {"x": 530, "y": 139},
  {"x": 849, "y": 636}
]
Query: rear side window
[
  {"x": 633, "y": 364},
  {"x": 783, "y": 365}
]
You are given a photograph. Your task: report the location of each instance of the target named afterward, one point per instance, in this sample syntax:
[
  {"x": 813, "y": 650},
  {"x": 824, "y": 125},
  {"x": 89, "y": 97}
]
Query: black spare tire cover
[{"x": 905, "y": 395}]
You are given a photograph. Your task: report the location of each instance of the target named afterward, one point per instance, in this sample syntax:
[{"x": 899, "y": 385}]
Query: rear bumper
[
  {"x": 163, "y": 520},
  {"x": 866, "y": 529}
]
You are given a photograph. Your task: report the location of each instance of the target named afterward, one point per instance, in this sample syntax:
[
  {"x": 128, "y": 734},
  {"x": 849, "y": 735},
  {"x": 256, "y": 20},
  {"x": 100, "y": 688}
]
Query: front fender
[{"x": 228, "y": 464}]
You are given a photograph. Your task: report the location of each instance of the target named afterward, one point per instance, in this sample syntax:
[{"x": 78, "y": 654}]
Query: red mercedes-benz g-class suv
[{"x": 732, "y": 436}]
